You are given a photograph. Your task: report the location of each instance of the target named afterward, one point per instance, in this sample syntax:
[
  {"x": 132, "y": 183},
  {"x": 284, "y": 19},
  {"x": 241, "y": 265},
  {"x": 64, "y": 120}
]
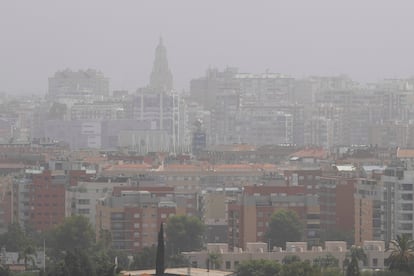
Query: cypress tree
[{"x": 159, "y": 265}]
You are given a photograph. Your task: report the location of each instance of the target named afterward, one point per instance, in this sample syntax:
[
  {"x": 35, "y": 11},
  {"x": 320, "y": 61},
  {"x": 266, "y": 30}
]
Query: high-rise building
[
  {"x": 161, "y": 78},
  {"x": 205, "y": 90},
  {"x": 68, "y": 82},
  {"x": 160, "y": 110},
  {"x": 397, "y": 202},
  {"x": 265, "y": 126}
]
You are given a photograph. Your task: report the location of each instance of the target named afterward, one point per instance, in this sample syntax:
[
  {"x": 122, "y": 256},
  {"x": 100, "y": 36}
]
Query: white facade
[
  {"x": 144, "y": 141},
  {"x": 82, "y": 199},
  {"x": 97, "y": 111},
  {"x": 398, "y": 203},
  {"x": 375, "y": 251},
  {"x": 163, "y": 113}
]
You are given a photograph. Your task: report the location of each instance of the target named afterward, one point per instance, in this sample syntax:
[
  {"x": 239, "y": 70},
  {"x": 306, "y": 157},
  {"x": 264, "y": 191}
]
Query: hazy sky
[{"x": 366, "y": 39}]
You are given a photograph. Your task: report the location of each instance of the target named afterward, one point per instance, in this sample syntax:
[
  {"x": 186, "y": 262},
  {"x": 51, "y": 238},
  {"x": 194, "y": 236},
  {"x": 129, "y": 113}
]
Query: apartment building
[
  {"x": 335, "y": 196},
  {"x": 265, "y": 126},
  {"x": 133, "y": 215},
  {"x": 367, "y": 205},
  {"x": 214, "y": 204},
  {"x": 39, "y": 199},
  {"x": 397, "y": 202},
  {"x": 82, "y": 198},
  {"x": 6, "y": 202},
  {"x": 249, "y": 215}
]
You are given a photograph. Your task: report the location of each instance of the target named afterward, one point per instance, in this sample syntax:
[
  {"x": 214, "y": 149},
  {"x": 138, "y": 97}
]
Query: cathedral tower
[{"x": 161, "y": 77}]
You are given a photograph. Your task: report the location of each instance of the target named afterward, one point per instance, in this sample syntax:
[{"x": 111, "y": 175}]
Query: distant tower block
[{"x": 161, "y": 77}]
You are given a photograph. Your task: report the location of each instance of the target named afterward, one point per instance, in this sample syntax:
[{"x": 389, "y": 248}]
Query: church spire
[{"x": 161, "y": 77}]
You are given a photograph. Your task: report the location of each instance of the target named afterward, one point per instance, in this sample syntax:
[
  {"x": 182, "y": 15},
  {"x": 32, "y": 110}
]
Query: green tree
[
  {"x": 177, "y": 260},
  {"x": 4, "y": 271},
  {"x": 258, "y": 268},
  {"x": 105, "y": 240},
  {"x": 145, "y": 259},
  {"x": 121, "y": 257},
  {"x": 28, "y": 254},
  {"x": 78, "y": 263},
  {"x": 300, "y": 268},
  {"x": 402, "y": 256},
  {"x": 338, "y": 235},
  {"x": 289, "y": 259},
  {"x": 103, "y": 264},
  {"x": 73, "y": 250},
  {"x": 184, "y": 234},
  {"x": 215, "y": 260},
  {"x": 284, "y": 226},
  {"x": 391, "y": 273},
  {"x": 74, "y": 233},
  {"x": 160, "y": 255},
  {"x": 15, "y": 239},
  {"x": 331, "y": 271},
  {"x": 356, "y": 254},
  {"x": 326, "y": 261},
  {"x": 74, "y": 263}
]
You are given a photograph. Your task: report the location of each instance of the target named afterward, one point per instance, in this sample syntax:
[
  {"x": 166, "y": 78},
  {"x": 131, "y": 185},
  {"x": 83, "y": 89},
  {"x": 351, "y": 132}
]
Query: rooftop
[
  {"x": 179, "y": 271},
  {"x": 405, "y": 153},
  {"x": 317, "y": 153}
]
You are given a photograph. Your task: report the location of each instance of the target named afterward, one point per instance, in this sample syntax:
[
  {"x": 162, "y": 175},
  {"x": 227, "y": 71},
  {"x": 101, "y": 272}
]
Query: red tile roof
[
  {"x": 317, "y": 153},
  {"x": 405, "y": 153}
]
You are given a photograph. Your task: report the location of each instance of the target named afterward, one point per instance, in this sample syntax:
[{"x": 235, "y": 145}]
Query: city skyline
[
  {"x": 274, "y": 137},
  {"x": 367, "y": 41}
]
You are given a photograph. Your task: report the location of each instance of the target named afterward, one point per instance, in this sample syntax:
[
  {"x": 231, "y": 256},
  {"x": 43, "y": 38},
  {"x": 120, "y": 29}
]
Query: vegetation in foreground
[{"x": 72, "y": 249}]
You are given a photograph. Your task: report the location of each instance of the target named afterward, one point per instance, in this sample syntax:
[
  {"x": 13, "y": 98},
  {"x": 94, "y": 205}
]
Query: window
[
  {"x": 136, "y": 215},
  {"x": 406, "y": 226},
  {"x": 407, "y": 187},
  {"x": 228, "y": 265},
  {"x": 375, "y": 262},
  {"x": 407, "y": 207},
  {"x": 83, "y": 201},
  {"x": 83, "y": 211},
  {"x": 117, "y": 216},
  {"x": 117, "y": 225},
  {"x": 407, "y": 196},
  {"x": 406, "y": 216}
]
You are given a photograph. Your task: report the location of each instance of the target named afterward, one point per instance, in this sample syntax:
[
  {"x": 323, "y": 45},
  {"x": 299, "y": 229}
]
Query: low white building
[{"x": 375, "y": 251}]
